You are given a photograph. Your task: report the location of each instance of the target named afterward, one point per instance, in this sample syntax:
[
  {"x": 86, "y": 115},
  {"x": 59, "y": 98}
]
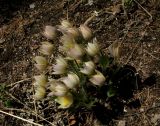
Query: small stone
[
  {"x": 32, "y": 6},
  {"x": 141, "y": 110},
  {"x": 90, "y": 2},
  {"x": 121, "y": 123},
  {"x": 2, "y": 41},
  {"x": 154, "y": 38}
]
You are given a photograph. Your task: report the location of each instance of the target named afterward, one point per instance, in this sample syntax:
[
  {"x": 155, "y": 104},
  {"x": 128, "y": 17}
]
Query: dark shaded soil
[{"x": 20, "y": 37}]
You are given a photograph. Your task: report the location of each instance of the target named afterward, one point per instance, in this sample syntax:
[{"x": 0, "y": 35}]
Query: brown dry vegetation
[{"x": 20, "y": 37}]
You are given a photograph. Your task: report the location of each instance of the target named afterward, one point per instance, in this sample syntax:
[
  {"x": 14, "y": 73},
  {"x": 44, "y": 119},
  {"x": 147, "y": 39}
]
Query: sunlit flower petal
[
  {"x": 88, "y": 69},
  {"x": 60, "y": 66},
  {"x": 76, "y": 52},
  {"x": 68, "y": 42},
  {"x": 114, "y": 50},
  {"x": 49, "y": 32},
  {"x": 65, "y": 101},
  {"x": 97, "y": 79},
  {"x": 40, "y": 93},
  {"x": 86, "y": 32},
  {"x": 71, "y": 81},
  {"x": 58, "y": 88},
  {"x": 74, "y": 32},
  {"x": 92, "y": 48},
  {"x": 66, "y": 24},
  {"x": 41, "y": 63},
  {"x": 41, "y": 80},
  {"x": 46, "y": 48}
]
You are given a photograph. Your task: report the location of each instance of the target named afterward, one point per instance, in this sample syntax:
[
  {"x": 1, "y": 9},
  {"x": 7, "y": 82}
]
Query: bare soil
[{"x": 20, "y": 36}]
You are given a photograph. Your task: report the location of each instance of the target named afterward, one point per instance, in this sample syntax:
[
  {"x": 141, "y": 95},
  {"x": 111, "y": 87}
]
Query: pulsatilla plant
[{"x": 80, "y": 70}]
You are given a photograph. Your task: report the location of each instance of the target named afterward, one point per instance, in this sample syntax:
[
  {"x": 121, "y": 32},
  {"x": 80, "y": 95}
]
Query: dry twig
[
  {"x": 25, "y": 120},
  {"x": 143, "y": 8},
  {"x": 27, "y": 107}
]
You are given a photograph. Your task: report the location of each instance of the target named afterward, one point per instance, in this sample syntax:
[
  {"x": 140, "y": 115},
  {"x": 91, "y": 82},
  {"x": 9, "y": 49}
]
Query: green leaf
[
  {"x": 104, "y": 61},
  {"x": 111, "y": 92},
  {"x": 2, "y": 87},
  {"x": 8, "y": 103}
]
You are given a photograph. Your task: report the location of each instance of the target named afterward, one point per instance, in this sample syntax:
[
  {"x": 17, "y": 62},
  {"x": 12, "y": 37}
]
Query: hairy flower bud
[
  {"x": 49, "y": 32},
  {"x": 60, "y": 66},
  {"x": 41, "y": 63},
  {"x": 74, "y": 32},
  {"x": 76, "y": 52},
  {"x": 58, "y": 88},
  {"x": 40, "y": 93},
  {"x": 92, "y": 48},
  {"x": 68, "y": 42},
  {"x": 71, "y": 81},
  {"x": 86, "y": 32},
  {"x": 114, "y": 50},
  {"x": 41, "y": 80},
  {"x": 88, "y": 68},
  {"x": 65, "y": 101},
  {"x": 97, "y": 79},
  {"x": 66, "y": 24},
  {"x": 46, "y": 48}
]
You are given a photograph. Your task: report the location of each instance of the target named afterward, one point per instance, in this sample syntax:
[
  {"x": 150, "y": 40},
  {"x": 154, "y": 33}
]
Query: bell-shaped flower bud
[
  {"x": 41, "y": 63},
  {"x": 68, "y": 42},
  {"x": 88, "y": 68},
  {"x": 97, "y": 79},
  {"x": 46, "y": 48},
  {"x": 40, "y": 80},
  {"x": 60, "y": 66},
  {"x": 76, "y": 52},
  {"x": 65, "y": 101},
  {"x": 40, "y": 93},
  {"x": 71, "y": 81},
  {"x": 74, "y": 32},
  {"x": 114, "y": 50},
  {"x": 86, "y": 32},
  {"x": 49, "y": 32},
  {"x": 58, "y": 88},
  {"x": 66, "y": 24},
  {"x": 93, "y": 48}
]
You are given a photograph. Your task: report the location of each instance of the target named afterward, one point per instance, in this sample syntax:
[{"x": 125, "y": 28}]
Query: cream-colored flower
[
  {"x": 97, "y": 79},
  {"x": 49, "y": 32},
  {"x": 41, "y": 63},
  {"x": 86, "y": 32},
  {"x": 60, "y": 66},
  {"x": 66, "y": 24},
  {"x": 74, "y": 32},
  {"x": 92, "y": 48},
  {"x": 40, "y": 93},
  {"x": 88, "y": 68},
  {"x": 71, "y": 81},
  {"x": 68, "y": 42},
  {"x": 46, "y": 48},
  {"x": 114, "y": 49},
  {"x": 65, "y": 101},
  {"x": 58, "y": 88},
  {"x": 76, "y": 52},
  {"x": 40, "y": 80}
]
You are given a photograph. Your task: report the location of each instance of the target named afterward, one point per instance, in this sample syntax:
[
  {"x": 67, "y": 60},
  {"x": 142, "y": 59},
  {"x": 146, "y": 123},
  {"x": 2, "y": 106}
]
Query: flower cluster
[{"x": 75, "y": 68}]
